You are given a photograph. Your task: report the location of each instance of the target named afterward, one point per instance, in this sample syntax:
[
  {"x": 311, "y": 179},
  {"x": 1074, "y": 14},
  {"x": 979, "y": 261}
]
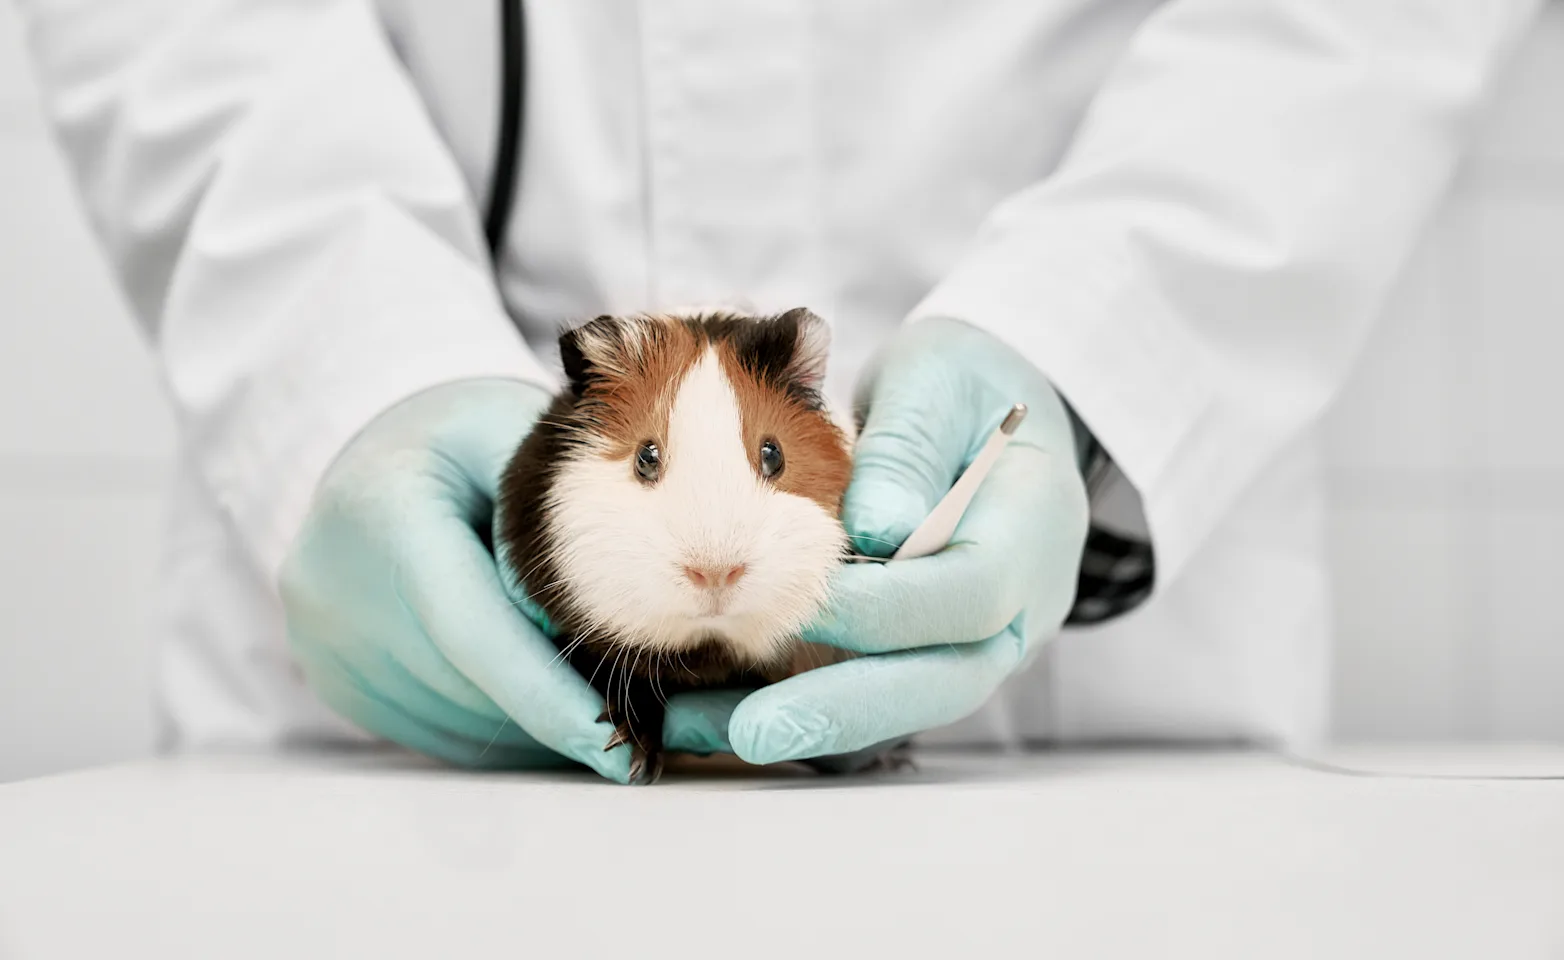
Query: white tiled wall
[{"x": 1448, "y": 459}]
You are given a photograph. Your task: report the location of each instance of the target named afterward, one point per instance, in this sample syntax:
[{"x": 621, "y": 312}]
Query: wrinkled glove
[
  {"x": 942, "y": 631},
  {"x": 395, "y": 607}
]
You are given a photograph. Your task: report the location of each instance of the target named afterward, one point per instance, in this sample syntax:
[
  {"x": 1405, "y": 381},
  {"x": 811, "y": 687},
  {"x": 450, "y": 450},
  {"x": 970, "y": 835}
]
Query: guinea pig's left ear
[
  {"x": 811, "y": 347},
  {"x": 590, "y": 350}
]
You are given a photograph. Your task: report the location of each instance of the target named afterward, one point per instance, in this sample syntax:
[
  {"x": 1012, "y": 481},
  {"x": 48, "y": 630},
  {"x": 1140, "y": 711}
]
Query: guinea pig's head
[{"x": 694, "y": 483}]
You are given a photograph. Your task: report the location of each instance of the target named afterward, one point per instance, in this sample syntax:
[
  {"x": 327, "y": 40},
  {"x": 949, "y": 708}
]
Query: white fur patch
[{"x": 624, "y": 544}]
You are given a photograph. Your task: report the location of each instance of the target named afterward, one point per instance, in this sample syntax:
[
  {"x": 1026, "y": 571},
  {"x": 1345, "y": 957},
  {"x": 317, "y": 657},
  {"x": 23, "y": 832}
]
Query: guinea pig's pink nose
[{"x": 714, "y": 577}]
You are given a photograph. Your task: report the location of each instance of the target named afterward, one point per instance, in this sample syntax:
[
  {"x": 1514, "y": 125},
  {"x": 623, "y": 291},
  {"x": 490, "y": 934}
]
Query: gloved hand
[
  {"x": 945, "y": 630},
  {"x": 395, "y": 607}
]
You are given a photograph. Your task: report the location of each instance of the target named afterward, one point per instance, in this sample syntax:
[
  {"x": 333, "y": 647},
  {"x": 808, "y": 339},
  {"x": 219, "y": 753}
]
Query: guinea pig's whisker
[
  {"x": 626, "y": 689},
  {"x": 530, "y": 572},
  {"x": 609, "y": 684},
  {"x": 634, "y": 665},
  {"x": 599, "y": 666},
  {"x": 533, "y": 570},
  {"x": 549, "y": 586},
  {"x": 686, "y": 667},
  {"x": 568, "y": 649},
  {"x": 541, "y": 590},
  {"x": 865, "y": 536},
  {"x": 657, "y": 681},
  {"x": 497, "y": 731},
  {"x": 621, "y": 667},
  {"x": 862, "y": 558},
  {"x": 529, "y": 593},
  {"x": 537, "y": 562}
]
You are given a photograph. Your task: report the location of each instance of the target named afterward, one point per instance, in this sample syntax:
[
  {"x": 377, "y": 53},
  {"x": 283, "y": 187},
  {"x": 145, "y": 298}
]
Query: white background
[{"x": 1447, "y": 472}]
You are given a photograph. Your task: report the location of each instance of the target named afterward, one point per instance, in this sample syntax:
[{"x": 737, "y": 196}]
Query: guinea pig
[{"x": 675, "y": 513}]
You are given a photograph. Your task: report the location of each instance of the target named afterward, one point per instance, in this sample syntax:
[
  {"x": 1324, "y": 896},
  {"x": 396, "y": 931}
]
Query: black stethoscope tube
[{"x": 502, "y": 190}]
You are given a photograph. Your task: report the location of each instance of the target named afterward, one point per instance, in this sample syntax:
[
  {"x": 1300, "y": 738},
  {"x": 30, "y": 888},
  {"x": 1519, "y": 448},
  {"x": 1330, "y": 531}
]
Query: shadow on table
[{"x": 929, "y": 767}]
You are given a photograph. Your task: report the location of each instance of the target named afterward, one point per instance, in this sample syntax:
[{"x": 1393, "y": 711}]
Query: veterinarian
[{"x": 352, "y": 232}]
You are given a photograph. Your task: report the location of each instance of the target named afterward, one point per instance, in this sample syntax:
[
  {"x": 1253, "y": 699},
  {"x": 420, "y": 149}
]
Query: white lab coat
[{"x": 1187, "y": 214}]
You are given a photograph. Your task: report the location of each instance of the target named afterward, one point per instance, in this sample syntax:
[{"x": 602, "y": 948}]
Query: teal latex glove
[
  {"x": 395, "y": 607},
  {"x": 942, "y": 631}
]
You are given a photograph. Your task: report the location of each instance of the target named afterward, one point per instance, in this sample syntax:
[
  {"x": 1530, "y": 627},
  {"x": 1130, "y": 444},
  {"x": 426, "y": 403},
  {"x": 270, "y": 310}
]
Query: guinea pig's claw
[
  {"x": 645, "y": 770},
  {"x": 621, "y": 736},
  {"x": 603, "y": 717}
]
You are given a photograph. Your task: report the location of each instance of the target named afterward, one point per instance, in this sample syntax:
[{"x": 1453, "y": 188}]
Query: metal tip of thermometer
[
  {"x": 934, "y": 533},
  {"x": 1013, "y": 420}
]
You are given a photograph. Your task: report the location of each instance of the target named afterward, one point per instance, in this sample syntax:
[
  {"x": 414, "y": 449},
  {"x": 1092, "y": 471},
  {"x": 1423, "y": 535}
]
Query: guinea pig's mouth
[
  {"x": 714, "y": 645},
  {"x": 735, "y": 635},
  {"x": 714, "y": 629},
  {"x": 708, "y": 637},
  {"x": 713, "y": 610}
]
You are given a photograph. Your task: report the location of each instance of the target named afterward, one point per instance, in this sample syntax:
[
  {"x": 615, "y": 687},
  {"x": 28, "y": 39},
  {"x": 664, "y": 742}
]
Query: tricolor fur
[{"x": 609, "y": 555}]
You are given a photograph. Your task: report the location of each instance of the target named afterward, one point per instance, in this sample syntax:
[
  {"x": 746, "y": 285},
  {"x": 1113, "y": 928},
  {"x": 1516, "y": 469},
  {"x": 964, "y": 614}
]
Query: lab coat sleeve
[
  {"x": 1200, "y": 270},
  {"x": 288, "y": 226}
]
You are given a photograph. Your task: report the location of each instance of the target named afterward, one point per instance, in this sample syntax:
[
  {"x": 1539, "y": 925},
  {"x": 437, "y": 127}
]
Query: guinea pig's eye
[
  {"x": 770, "y": 458},
  {"x": 649, "y": 462}
]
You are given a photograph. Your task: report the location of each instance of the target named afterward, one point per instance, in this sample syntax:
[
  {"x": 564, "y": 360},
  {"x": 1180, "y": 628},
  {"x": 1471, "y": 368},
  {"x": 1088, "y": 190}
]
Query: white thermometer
[{"x": 934, "y": 533}]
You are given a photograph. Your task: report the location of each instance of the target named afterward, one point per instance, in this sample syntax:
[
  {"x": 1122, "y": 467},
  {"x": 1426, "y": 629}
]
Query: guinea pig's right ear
[
  {"x": 590, "y": 350},
  {"x": 811, "y": 347}
]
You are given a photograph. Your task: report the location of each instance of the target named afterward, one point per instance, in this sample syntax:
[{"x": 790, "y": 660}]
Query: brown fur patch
[
  {"x": 638, "y": 364},
  {"x": 632, "y": 395},
  {"x": 815, "y": 461}
]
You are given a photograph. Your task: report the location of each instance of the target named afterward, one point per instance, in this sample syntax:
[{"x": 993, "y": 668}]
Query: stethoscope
[{"x": 502, "y": 190}]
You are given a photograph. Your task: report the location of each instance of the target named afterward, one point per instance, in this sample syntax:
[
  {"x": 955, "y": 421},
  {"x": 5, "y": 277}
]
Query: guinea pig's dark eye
[
  {"x": 649, "y": 462},
  {"x": 770, "y": 458}
]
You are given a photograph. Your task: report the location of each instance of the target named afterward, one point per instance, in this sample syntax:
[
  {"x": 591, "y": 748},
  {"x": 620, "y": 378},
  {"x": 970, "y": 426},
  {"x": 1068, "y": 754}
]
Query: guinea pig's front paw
[{"x": 646, "y": 748}]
